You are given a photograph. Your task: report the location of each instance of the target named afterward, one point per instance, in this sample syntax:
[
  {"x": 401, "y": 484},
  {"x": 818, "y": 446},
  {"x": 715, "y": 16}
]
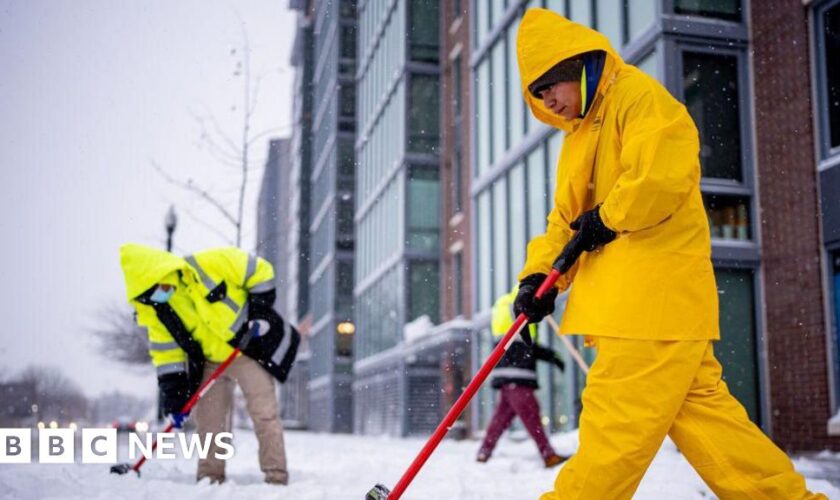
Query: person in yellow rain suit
[
  {"x": 196, "y": 310},
  {"x": 628, "y": 203}
]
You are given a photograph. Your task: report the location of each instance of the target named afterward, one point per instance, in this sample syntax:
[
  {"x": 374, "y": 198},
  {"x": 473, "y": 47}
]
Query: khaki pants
[
  {"x": 637, "y": 392},
  {"x": 213, "y": 412}
]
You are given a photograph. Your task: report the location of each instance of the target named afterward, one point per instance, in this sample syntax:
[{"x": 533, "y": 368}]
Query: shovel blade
[
  {"x": 378, "y": 492},
  {"x": 121, "y": 469}
]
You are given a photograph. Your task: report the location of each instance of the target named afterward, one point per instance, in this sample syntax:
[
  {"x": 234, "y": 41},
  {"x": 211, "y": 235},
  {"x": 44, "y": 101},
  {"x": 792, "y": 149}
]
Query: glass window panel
[
  {"x": 344, "y": 291},
  {"x": 482, "y": 117},
  {"x": 500, "y": 239},
  {"x": 346, "y": 160},
  {"x": 640, "y": 15},
  {"x": 609, "y": 21},
  {"x": 485, "y": 290},
  {"x": 424, "y": 34},
  {"x": 423, "y": 115},
  {"x": 456, "y": 88},
  {"x": 558, "y": 6},
  {"x": 518, "y": 222},
  {"x": 729, "y": 216},
  {"x": 831, "y": 34},
  {"x": 424, "y": 291},
  {"x": 347, "y": 8},
  {"x": 736, "y": 349},
  {"x": 649, "y": 65},
  {"x": 348, "y": 41},
  {"x": 581, "y": 12},
  {"x": 458, "y": 283},
  {"x": 497, "y": 10},
  {"x": 482, "y": 17},
  {"x": 836, "y": 283},
  {"x": 457, "y": 181},
  {"x": 423, "y": 210},
  {"x": 537, "y": 200},
  {"x": 499, "y": 101},
  {"x": 516, "y": 121},
  {"x": 721, "y": 9},
  {"x": 710, "y": 88},
  {"x": 348, "y": 100}
]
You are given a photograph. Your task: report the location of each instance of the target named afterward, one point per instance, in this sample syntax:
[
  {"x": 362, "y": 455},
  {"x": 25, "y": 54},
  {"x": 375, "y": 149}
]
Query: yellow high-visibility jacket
[
  {"x": 635, "y": 152},
  {"x": 210, "y": 298},
  {"x": 503, "y": 316}
]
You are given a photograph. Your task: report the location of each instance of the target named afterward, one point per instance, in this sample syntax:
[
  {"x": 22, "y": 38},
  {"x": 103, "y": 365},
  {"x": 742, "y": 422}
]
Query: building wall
[
  {"x": 794, "y": 303},
  {"x": 273, "y": 228},
  {"x": 301, "y": 167},
  {"x": 397, "y": 217},
  {"x": 456, "y": 244},
  {"x": 294, "y": 397},
  {"x": 272, "y": 215},
  {"x": 330, "y": 231}
]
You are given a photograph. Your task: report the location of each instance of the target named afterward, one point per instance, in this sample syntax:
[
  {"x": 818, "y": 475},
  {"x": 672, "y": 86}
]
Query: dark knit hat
[{"x": 567, "y": 70}]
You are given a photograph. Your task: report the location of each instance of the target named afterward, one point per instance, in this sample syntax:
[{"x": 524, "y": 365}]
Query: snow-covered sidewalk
[{"x": 327, "y": 466}]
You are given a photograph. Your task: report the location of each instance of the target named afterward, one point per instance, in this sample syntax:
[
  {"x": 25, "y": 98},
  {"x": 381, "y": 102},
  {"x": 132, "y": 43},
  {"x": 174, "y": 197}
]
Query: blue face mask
[{"x": 162, "y": 296}]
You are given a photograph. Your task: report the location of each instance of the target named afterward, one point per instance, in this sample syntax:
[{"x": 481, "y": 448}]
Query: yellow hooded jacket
[
  {"x": 210, "y": 298},
  {"x": 635, "y": 153}
]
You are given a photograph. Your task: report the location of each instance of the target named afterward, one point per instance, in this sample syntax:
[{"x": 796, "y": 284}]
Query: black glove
[
  {"x": 591, "y": 234},
  {"x": 527, "y": 303},
  {"x": 558, "y": 362},
  {"x": 174, "y": 392}
]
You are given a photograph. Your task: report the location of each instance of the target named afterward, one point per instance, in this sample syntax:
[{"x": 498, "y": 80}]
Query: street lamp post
[{"x": 170, "y": 222}]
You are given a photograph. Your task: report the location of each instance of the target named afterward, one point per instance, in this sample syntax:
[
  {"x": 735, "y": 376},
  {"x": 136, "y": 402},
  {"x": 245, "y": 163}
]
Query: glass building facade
[
  {"x": 397, "y": 209},
  {"x": 698, "y": 50},
  {"x": 296, "y": 235},
  {"x": 331, "y": 235}
]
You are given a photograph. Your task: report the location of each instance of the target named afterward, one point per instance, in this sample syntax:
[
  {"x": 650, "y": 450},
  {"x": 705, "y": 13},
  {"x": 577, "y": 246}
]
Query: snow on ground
[{"x": 327, "y": 466}]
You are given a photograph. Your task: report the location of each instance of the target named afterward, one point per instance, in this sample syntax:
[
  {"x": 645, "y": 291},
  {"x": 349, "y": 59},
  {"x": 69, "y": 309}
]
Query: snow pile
[
  {"x": 417, "y": 328},
  {"x": 327, "y": 466}
]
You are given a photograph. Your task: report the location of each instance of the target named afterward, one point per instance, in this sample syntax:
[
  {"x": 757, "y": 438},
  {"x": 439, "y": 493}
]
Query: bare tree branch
[
  {"x": 216, "y": 154},
  {"x": 217, "y": 128},
  {"x": 119, "y": 337},
  {"x": 190, "y": 186},
  {"x": 246, "y": 128},
  {"x": 253, "y": 104}
]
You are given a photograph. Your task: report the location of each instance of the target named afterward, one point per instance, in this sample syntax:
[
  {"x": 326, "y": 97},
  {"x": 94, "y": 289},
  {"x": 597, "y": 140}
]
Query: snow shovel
[
  {"x": 124, "y": 468},
  {"x": 380, "y": 492},
  {"x": 572, "y": 350}
]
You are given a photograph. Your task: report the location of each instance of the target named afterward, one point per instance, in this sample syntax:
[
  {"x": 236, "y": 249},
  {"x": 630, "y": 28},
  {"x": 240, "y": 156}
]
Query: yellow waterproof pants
[{"x": 640, "y": 390}]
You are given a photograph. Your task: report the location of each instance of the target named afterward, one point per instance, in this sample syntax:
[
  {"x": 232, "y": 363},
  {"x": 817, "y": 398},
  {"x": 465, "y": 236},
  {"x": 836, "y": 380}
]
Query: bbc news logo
[{"x": 100, "y": 446}]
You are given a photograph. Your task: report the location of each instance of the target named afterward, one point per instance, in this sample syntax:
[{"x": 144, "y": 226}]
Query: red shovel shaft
[
  {"x": 467, "y": 395},
  {"x": 192, "y": 401}
]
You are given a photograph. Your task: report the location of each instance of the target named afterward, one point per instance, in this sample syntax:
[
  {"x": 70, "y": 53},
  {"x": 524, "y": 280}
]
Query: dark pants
[{"x": 516, "y": 400}]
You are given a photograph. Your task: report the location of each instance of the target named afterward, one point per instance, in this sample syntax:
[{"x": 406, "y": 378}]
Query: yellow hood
[
  {"x": 145, "y": 266},
  {"x": 545, "y": 38}
]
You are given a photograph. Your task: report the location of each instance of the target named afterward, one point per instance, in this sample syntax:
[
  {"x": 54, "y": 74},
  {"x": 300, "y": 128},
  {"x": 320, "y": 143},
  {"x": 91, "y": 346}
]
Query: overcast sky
[{"x": 90, "y": 91}]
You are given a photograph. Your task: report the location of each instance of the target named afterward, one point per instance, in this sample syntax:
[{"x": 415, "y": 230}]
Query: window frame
[{"x": 725, "y": 252}]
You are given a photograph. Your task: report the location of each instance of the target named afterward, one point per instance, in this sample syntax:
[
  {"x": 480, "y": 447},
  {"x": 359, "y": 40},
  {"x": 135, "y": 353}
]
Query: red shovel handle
[
  {"x": 468, "y": 394},
  {"x": 192, "y": 401}
]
